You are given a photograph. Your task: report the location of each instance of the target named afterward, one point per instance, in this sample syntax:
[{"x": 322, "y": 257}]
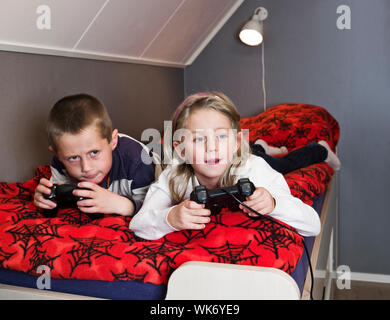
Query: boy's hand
[
  {"x": 261, "y": 201},
  {"x": 189, "y": 215},
  {"x": 102, "y": 200},
  {"x": 43, "y": 188}
]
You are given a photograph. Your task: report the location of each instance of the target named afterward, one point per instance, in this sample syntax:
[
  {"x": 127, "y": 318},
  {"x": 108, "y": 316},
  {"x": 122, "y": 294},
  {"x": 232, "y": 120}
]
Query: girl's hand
[
  {"x": 189, "y": 215},
  {"x": 43, "y": 188},
  {"x": 102, "y": 200},
  {"x": 261, "y": 201}
]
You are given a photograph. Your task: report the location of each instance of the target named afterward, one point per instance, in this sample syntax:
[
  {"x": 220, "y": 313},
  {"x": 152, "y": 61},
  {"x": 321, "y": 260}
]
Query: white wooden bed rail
[
  {"x": 197, "y": 280},
  {"x": 325, "y": 249},
  {"x": 8, "y": 292}
]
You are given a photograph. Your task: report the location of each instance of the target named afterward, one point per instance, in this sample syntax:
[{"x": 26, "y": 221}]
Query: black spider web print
[
  {"x": 285, "y": 126},
  {"x": 287, "y": 267},
  {"x": 260, "y": 224},
  {"x": 17, "y": 202},
  {"x": 306, "y": 119},
  {"x": 313, "y": 188},
  {"x": 191, "y": 235},
  {"x": 320, "y": 113},
  {"x": 302, "y": 132},
  {"x": 217, "y": 219},
  {"x": 32, "y": 235},
  {"x": 158, "y": 255},
  {"x": 73, "y": 216},
  {"x": 308, "y": 175},
  {"x": 16, "y": 190},
  {"x": 38, "y": 258},
  {"x": 324, "y": 132},
  {"x": 305, "y": 173},
  {"x": 321, "y": 173},
  {"x": 301, "y": 190},
  {"x": 274, "y": 240},
  {"x": 233, "y": 253},
  {"x": 88, "y": 249},
  {"x": 19, "y": 211},
  {"x": 126, "y": 234},
  {"x": 289, "y": 111},
  {"x": 275, "y": 118},
  {"x": 129, "y": 276},
  {"x": 288, "y": 142},
  {"x": 4, "y": 256},
  {"x": 6, "y": 187},
  {"x": 269, "y": 235},
  {"x": 264, "y": 131}
]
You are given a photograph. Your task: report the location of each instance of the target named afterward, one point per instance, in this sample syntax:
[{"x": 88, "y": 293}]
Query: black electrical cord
[{"x": 261, "y": 216}]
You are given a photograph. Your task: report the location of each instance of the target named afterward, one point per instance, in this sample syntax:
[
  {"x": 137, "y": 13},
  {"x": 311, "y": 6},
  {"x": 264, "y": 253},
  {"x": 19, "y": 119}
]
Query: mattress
[{"x": 135, "y": 290}]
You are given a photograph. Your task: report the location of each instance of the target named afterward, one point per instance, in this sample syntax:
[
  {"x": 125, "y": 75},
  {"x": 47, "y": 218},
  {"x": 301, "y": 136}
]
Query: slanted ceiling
[{"x": 158, "y": 32}]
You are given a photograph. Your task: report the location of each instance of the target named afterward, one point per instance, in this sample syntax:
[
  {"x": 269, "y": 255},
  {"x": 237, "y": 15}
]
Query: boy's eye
[
  {"x": 73, "y": 158},
  {"x": 94, "y": 153}
]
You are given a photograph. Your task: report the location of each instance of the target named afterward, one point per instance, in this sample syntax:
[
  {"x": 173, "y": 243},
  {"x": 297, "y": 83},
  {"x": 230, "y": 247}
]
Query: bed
[{"x": 102, "y": 258}]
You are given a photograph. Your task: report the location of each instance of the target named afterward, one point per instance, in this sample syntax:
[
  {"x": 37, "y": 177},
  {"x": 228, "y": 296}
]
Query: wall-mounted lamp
[
  {"x": 252, "y": 35},
  {"x": 252, "y": 32}
]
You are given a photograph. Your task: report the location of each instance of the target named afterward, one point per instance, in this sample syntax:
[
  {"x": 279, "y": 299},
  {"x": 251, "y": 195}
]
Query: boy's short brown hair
[{"x": 73, "y": 113}]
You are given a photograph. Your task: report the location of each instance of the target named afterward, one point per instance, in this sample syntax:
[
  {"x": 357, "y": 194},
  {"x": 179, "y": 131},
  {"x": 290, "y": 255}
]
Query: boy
[{"x": 89, "y": 153}]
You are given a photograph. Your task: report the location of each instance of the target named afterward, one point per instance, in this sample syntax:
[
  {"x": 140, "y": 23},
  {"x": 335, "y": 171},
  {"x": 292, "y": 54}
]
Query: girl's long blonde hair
[{"x": 182, "y": 173}]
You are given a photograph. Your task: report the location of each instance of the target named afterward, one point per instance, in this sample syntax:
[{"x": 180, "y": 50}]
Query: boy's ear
[
  {"x": 51, "y": 149},
  {"x": 114, "y": 139}
]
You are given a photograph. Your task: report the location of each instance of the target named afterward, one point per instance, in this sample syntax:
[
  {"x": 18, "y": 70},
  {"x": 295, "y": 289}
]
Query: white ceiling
[{"x": 158, "y": 32}]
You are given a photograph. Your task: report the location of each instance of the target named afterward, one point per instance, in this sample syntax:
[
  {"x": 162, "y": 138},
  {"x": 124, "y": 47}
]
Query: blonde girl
[{"x": 209, "y": 149}]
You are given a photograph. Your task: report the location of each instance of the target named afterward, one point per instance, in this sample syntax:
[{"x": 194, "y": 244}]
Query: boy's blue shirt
[{"x": 129, "y": 176}]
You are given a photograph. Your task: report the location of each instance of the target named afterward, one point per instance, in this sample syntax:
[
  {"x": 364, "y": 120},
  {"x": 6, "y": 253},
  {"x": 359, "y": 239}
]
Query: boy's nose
[{"x": 85, "y": 165}]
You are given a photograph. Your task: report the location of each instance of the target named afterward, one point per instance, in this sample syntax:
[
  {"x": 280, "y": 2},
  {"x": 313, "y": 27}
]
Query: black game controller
[
  {"x": 63, "y": 193},
  {"x": 217, "y": 199}
]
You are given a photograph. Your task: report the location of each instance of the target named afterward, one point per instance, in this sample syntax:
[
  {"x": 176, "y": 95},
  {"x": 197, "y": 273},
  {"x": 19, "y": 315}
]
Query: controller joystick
[{"x": 217, "y": 199}]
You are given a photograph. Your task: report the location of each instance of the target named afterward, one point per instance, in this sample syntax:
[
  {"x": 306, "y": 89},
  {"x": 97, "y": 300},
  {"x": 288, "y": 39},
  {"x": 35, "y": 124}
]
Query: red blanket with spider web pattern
[{"x": 74, "y": 246}]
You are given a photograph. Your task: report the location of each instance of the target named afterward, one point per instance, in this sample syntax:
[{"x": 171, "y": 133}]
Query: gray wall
[
  {"x": 137, "y": 97},
  {"x": 348, "y": 72}
]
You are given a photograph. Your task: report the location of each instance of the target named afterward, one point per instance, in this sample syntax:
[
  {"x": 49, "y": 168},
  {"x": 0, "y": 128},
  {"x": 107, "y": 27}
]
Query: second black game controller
[
  {"x": 63, "y": 193},
  {"x": 217, "y": 199}
]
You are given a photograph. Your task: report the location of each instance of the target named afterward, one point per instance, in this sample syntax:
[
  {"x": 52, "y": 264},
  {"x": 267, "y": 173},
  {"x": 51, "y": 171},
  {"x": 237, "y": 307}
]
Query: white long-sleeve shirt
[{"x": 151, "y": 220}]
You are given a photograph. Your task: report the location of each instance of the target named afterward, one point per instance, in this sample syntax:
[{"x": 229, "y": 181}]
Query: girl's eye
[
  {"x": 222, "y": 136},
  {"x": 198, "y": 139}
]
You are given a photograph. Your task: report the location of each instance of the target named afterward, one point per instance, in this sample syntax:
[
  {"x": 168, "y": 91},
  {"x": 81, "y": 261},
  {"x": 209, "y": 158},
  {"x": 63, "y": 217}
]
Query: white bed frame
[{"x": 206, "y": 280}]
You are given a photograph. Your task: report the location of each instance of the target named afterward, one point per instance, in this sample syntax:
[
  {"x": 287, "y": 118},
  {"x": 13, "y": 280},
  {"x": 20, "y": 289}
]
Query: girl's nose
[{"x": 212, "y": 143}]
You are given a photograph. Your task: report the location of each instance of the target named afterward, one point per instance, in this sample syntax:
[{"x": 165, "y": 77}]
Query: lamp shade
[{"x": 252, "y": 32}]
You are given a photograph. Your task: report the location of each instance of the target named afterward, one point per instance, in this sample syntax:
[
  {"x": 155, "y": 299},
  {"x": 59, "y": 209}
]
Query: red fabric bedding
[
  {"x": 293, "y": 125},
  {"x": 74, "y": 246}
]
